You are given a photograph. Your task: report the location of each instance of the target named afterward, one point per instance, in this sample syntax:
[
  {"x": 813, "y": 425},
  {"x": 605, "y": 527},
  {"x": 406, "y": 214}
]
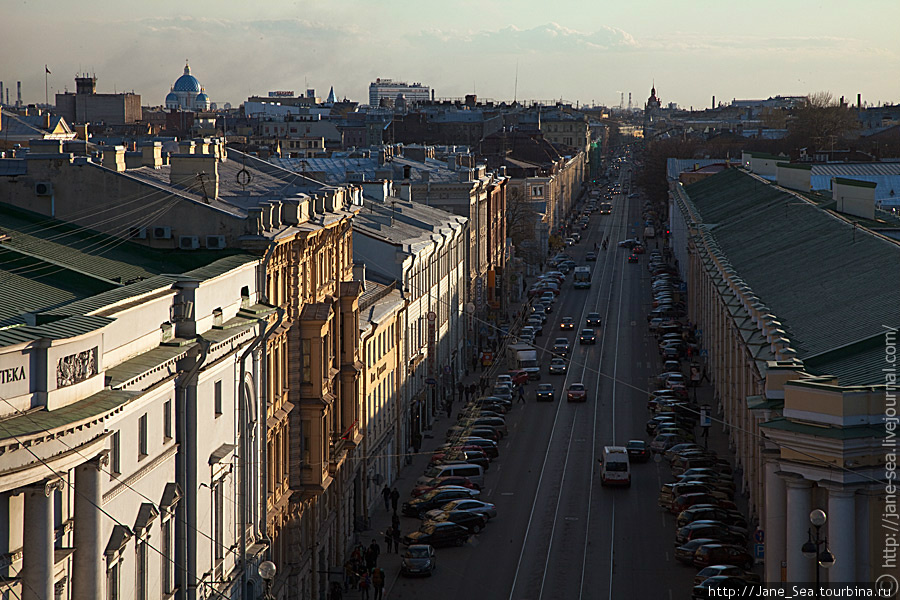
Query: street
[{"x": 558, "y": 533}]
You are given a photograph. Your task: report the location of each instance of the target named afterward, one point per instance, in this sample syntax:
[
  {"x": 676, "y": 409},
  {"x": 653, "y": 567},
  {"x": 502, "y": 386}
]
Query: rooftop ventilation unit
[{"x": 188, "y": 242}]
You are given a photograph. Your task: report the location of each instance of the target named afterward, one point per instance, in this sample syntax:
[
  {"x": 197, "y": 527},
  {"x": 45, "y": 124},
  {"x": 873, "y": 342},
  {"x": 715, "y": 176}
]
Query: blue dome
[
  {"x": 187, "y": 82},
  {"x": 202, "y": 97},
  {"x": 171, "y": 97}
]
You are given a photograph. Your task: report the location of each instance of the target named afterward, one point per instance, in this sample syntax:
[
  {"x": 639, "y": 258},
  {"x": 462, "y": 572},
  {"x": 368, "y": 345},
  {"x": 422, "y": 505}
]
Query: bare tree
[
  {"x": 521, "y": 221},
  {"x": 821, "y": 121}
]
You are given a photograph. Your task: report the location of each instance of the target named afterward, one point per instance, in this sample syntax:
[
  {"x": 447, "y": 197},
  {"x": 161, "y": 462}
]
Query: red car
[
  {"x": 441, "y": 482},
  {"x": 519, "y": 376},
  {"x": 576, "y": 393}
]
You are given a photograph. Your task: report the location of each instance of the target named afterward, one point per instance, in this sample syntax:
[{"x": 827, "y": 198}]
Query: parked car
[
  {"x": 519, "y": 376},
  {"x": 711, "y": 529},
  {"x": 435, "y": 498},
  {"x": 576, "y": 393},
  {"x": 418, "y": 560},
  {"x": 726, "y": 571},
  {"x": 719, "y": 587},
  {"x": 685, "y": 552},
  {"x": 722, "y": 554},
  {"x": 545, "y": 392},
  {"x": 664, "y": 441},
  {"x": 477, "y": 506},
  {"x": 439, "y": 482},
  {"x": 472, "y": 521},
  {"x": 682, "y": 503},
  {"x": 438, "y": 534},
  {"x": 558, "y": 366}
]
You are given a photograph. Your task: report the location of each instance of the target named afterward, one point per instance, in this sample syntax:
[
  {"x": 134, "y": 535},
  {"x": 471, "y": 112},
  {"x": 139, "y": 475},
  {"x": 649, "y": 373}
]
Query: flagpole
[{"x": 46, "y": 90}]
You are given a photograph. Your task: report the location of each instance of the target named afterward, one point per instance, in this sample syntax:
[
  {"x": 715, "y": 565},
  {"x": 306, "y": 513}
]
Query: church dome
[
  {"x": 202, "y": 97},
  {"x": 171, "y": 98},
  {"x": 187, "y": 82}
]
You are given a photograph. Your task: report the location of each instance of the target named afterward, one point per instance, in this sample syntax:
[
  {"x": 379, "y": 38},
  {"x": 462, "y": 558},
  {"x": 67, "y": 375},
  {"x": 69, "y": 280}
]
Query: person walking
[
  {"x": 386, "y": 494},
  {"x": 448, "y": 406},
  {"x": 395, "y": 499},
  {"x": 521, "y": 393},
  {"x": 372, "y": 553},
  {"x": 396, "y": 533},
  {"x": 378, "y": 582},
  {"x": 389, "y": 539},
  {"x": 364, "y": 585},
  {"x": 395, "y": 523}
]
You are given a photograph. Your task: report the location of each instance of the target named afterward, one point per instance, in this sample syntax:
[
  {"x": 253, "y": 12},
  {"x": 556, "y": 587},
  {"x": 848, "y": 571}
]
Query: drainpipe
[
  {"x": 245, "y": 411},
  {"x": 186, "y": 479}
]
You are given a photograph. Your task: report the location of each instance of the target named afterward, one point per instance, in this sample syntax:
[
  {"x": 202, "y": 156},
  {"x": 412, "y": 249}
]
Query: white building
[
  {"x": 390, "y": 89},
  {"x": 106, "y": 488}
]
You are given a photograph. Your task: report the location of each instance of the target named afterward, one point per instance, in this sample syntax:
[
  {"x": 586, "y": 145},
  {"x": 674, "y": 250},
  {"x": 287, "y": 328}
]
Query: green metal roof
[
  {"x": 829, "y": 283},
  {"x": 143, "y": 364},
  {"x": 837, "y": 433},
  {"x": 62, "y": 328},
  {"x": 43, "y": 421},
  {"x": 853, "y": 364}
]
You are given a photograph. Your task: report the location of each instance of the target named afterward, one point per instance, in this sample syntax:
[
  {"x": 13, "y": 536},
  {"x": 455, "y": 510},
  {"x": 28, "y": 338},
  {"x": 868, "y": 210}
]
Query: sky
[{"x": 574, "y": 50}]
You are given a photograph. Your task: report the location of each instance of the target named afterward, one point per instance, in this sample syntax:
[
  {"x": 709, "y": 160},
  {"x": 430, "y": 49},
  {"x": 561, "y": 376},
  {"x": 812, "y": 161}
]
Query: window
[
  {"x": 167, "y": 557},
  {"x": 140, "y": 569},
  {"x": 306, "y": 357},
  {"x": 537, "y": 191},
  {"x": 218, "y": 397},
  {"x": 306, "y": 433},
  {"x": 218, "y": 520},
  {"x": 115, "y": 461},
  {"x": 167, "y": 420},
  {"x": 112, "y": 580},
  {"x": 142, "y": 436}
]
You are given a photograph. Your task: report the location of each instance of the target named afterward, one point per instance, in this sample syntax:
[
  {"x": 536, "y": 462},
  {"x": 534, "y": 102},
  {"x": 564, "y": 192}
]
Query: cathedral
[{"x": 187, "y": 93}]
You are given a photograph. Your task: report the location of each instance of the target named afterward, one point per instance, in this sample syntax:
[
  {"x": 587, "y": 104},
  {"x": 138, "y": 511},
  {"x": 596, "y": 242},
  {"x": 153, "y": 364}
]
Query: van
[
  {"x": 474, "y": 472},
  {"x": 615, "y": 468}
]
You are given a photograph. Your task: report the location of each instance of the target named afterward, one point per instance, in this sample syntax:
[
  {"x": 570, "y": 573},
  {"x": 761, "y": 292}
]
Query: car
[
  {"x": 670, "y": 491},
  {"x": 594, "y": 319},
  {"x": 576, "y": 393},
  {"x": 632, "y": 258},
  {"x": 561, "y": 346},
  {"x": 711, "y": 529},
  {"x": 518, "y": 376},
  {"x": 477, "y": 506},
  {"x": 569, "y": 241},
  {"x": 629, "y": 243},
  {"x": 567, "y": 323},
  {"x": 475, "y": 457},
  {"x": 685, "y": 552},
  {"x": 487, "y": 446},
  {"x": 527, "y": 332},
  {"x": 558, "y": 366},
  {"x": 545, "y": 392},
  {"x": 590, "y": 256},
  {"x": 536, "y": 323},
  {"x": 438, "y": 482},
  {"x": 541, "y": 308},
  {"x": 664, "y": 441},
  {"x": 682, "y": 503},
  {"x": 548, "y": 298},
  {"x": 438, "y": 534},
  {"x": 504, "y": 379},
  {"x": 502, "y": 391},
  {"x": 725, "y": 570},
  {"x": 576, "y": 236},
  {"x": 418, "y": 560},
  {"x": 638, "y": 451},
  {"x": 436, "y": 498},
  {"x": 472, "y": 521},
  {"x": 587, "y": 336},
  {"x": 639, "y": 249},
  {"x": 700, "y": 512},
  {"x": 722, "y": 554}
]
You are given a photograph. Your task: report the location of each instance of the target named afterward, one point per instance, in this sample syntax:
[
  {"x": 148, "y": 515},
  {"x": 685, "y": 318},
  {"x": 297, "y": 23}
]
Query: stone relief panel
[{"x": 75, "y": 368}]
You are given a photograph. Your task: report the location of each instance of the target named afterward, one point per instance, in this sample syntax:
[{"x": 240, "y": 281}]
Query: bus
[
  {"x": 582, "y": 278},
  {"x": 605, "y": 208},
  {"x": 615, "y": 468}
]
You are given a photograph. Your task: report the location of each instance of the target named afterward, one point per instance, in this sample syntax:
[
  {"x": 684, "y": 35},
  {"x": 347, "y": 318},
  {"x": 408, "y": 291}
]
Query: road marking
[
  {"x": 663, "y": 517},
  {"x": 506, "y": 493},
  {"x": 571, "y": 518},
  {"x": 562, "y": 481},
  {"x": 634, "y": 323},
  {"x": 670, "y": 593},
  {"x": 667, "y": 560}
]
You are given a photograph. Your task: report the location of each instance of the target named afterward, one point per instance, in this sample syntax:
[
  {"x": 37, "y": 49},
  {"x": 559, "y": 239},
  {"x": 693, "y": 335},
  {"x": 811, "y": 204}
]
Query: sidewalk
[{"x": 380, "y": 519}]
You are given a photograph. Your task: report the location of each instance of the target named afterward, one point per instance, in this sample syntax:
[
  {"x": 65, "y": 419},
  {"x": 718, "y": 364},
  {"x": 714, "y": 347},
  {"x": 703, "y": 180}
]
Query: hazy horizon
[{"x": 576, "y": 52}]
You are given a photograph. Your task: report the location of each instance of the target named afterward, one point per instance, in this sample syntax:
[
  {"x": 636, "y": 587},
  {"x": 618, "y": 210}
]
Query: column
[
  {"x": 799, "y": 504},
  {"x": 841, "y": 526},
  {"x": 87, "y": 563},
  {"x": 37, "y": 547},
  {"x": 863, "y": 535},
  {"x": 774, "y": 524}
]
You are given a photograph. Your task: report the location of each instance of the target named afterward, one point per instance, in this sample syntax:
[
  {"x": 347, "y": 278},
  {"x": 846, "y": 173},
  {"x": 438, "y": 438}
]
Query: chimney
[
  {"x": 46, "y": 116},
  {"x": 858, "y": 101},
  {"x": 152, "y": 154},
  {"x": 714, "y": 103},
  {"x": 1, "y": 93},
  {"x": 18, "y": 94},
  {"x": 186, "y": 147},
  {"x": 196, "y": 172},
  {"x": 114, "y": 158},
  {"x": 359, "y": 273}
]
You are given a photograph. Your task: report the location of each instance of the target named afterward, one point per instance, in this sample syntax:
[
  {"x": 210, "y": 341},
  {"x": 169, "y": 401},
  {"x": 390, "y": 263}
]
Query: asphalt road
[{"x": 559, "y": 533}]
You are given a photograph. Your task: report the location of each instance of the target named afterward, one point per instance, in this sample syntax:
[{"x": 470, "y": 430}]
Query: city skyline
[{"x": 489, "y": 50}]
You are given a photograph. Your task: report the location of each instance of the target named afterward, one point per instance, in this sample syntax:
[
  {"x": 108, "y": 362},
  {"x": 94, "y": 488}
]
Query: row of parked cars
[
  {"x": 711, "y": 534},
  {"x": 447, "y": 495}
]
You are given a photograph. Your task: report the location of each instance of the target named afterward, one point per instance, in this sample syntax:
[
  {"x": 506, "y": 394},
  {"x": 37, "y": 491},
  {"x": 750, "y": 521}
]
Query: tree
[
  {"x": 521, "y": 219},
  {"x": 821, "y": 121}
]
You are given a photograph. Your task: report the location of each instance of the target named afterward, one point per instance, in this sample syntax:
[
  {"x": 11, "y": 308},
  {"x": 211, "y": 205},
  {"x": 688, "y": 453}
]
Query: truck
[
  {"x": 524, "y": 356},
  {"x": 649, "y": 231}
]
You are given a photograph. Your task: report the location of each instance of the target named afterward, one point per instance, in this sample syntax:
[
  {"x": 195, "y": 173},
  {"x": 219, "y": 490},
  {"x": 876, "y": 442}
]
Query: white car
[{"x": 476, "y": 506}]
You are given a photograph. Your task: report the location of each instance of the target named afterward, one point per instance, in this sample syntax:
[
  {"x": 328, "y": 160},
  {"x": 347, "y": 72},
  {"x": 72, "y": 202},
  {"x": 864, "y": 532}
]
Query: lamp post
[
  {"x": 267, "y": 571},
  {"x": 824, "y": 558}
]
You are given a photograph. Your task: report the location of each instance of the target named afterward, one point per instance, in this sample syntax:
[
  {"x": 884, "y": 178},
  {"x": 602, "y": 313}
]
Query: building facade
[{"x": 388, "y": 89}]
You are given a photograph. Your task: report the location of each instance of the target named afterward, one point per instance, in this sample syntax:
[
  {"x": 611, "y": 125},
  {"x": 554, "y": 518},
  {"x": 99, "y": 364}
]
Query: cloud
[{"x": 550, "y": 38}]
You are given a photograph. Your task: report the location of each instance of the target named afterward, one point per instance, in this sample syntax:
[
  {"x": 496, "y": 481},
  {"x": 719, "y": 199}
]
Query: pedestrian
[
  {"x": 372, "y": 555},
  {"x": 378, "y": 582},
  {"x": 389, "y": 539},
  {"x": 474, "y": 363},
  {"x": 396, "y": 530},
  {"x": 349, "y": 573},
  {"x": 521, "y": 393},
  {"x": 460, "y": 389},
  {"x": 395, "y": 523},
  {"x": 448, "y": 406},
  {"x": 395, "y": 499},
  {"x": 336, "y": 592},
  {"x": 364, "y": 585},
  {"x": 386, "y": 494},
  {"x": 417, "y": 443}
]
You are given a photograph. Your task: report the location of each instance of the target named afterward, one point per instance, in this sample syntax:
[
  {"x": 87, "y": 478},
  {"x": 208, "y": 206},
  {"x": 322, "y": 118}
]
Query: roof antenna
[{"x": 516, "y": 88}]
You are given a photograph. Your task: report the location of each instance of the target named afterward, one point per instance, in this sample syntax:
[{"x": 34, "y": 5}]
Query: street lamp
[
  {"x": 824, "y": 558},
  {"x": 267, "y": 571}
]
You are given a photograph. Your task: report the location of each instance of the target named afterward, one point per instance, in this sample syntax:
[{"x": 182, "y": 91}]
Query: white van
[
  {"x": 615, "y": 469},
  {"x": 474, "y": 472}
]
